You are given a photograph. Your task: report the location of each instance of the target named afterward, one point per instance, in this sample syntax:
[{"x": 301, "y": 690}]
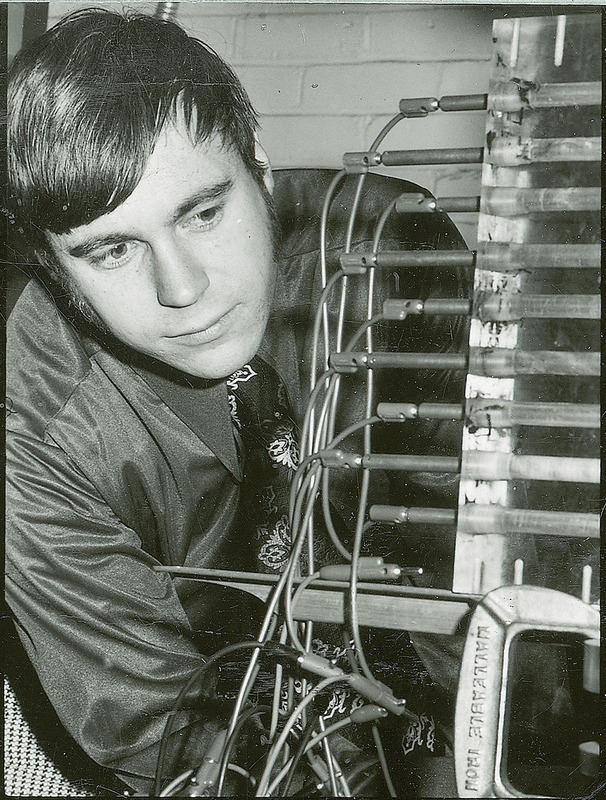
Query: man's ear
[
  {"x": 47, "y": 263},
  {"x": 262, "y": 158}
]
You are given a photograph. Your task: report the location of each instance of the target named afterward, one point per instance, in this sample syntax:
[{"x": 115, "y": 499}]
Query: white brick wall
[{"x": 325, "y": 77}]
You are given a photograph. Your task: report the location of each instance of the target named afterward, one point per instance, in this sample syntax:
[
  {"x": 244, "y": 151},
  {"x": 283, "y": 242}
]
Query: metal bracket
[{"x": 481, "y": 708}]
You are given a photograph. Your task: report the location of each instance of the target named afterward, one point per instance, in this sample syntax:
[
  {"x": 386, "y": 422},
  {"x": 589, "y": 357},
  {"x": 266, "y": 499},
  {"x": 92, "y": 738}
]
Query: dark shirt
[{"x": 116, "y": 464}]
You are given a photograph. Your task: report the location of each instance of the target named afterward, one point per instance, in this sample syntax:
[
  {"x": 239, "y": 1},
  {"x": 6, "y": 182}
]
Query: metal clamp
[{"x": 481, "y": 708}]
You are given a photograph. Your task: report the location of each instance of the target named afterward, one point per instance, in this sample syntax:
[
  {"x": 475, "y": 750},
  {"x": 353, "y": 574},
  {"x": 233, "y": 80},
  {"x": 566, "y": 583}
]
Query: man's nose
[{"x": 180, "y": 277}]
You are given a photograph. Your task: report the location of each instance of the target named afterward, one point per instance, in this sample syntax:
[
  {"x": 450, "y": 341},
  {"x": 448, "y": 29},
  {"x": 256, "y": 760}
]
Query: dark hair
[{"x": 87, "y": 101}]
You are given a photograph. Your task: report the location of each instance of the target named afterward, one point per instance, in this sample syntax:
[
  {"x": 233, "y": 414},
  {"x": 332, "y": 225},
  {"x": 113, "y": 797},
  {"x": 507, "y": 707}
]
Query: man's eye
[
  {"x": 205, "y": 218},
  {"x": 114, "y": 256},
  {"x": 119, "y": 251}
]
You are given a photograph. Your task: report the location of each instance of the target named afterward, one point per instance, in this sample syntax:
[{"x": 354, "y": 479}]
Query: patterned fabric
[
  {"x": 267, "y": 438},
  {"x": 28, "y": 771}
]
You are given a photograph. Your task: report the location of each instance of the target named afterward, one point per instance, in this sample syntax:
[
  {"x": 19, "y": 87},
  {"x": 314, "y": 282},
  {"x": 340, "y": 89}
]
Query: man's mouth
[{"x": 205, "y": 334}]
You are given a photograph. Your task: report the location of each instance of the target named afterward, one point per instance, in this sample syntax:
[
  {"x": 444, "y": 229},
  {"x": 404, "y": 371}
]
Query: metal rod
[
  {"x": 397, "y": 515},
  {"x": 504, "y": 256},
  {"x": 512, "y": 96},
  {"x": 505, "y": 363},
  {"x": 464, "y": 102},
  {"x": 458, "y": 204},
  {"x": 475, "y": 518},
  {"x": 419, "y": 204},
  {"x": 495, "y": 413},
  {"x": 492, "y": 307},
  {"x": 400, "y": 309},
  {"x": 416, "y": 360},
  {"x": 513, "y": 202},
  {"x": 412, "y": 463},
  {"x": 509, "y": 151},
  {"x": 166, "y": 11},
  {"x": 485, "y": 466},
  {"x": 458, "y": 155},
  {"x": 411, "y": 258},
  {"x": 399, "y": 412}
]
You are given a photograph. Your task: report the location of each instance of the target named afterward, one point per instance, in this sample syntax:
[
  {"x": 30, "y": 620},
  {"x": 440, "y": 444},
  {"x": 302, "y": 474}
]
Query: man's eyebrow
[
  {"x": 92, "y": 243},
  {"x": 208, "y": 194}
]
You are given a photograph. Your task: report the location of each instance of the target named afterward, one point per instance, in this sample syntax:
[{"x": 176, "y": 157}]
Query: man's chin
[{"x": 211, "y": 366}]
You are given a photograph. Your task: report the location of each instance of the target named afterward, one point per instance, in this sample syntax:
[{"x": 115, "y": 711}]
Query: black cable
[
  {"x": 296, "y": 757},
  {"x": 168, "y": 728},
  {"x": 229, "y": 744}
]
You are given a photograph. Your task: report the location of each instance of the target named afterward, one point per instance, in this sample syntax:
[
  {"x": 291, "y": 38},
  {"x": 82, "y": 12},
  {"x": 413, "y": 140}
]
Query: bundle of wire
[{"x": 299, "y": 738}]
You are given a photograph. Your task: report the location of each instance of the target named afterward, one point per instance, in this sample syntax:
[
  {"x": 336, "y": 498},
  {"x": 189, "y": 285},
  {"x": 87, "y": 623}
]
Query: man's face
[{"x": 183, "y": 269}]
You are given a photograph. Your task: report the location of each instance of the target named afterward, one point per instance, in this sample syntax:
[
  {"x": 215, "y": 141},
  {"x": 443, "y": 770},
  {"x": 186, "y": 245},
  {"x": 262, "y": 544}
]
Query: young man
[{"x": 172, "y": 295}]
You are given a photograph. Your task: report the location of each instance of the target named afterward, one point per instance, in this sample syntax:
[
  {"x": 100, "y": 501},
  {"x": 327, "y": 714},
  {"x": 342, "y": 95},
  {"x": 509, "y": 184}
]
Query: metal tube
[
  {"x": 508, "y": 151},
  {"x": 485, "y": 466},
  {"x": 464, "y": 102},
  {"x": 456, "y": 305},
  {"x": 399, "y": 412},
  {"x": 492, "y": 307},
  {"x": 458, "y": 204},
  {"x": 514, "y": 97},
  {"x": 421, "y": 258},
  {"x": 416, "y": 360},
  {"x": 412, "y": 463},
  {"x": 503, "y": 256},
  {"x": 495, "y": 413},
  {"x": 166, "y": 11},
  {"x": 513, "y": 202},
  {"x": 397, "y": 515},
  {"x": 458, "y": 155},
  {"x": 505, "y": 363},
  {"x": 475, "y": 518}
]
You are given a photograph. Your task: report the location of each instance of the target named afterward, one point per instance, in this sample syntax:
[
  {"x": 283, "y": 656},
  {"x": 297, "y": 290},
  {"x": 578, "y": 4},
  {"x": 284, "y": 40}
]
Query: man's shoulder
[{"x": 45, "y": 360}]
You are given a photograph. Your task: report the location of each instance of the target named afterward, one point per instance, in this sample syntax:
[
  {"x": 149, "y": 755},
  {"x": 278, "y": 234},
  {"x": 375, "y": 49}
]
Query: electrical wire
[
  {"x": 231, "y": 740},
  {"x": 290, "y": 769},
  {"x": 177, "y": 783},
  {"x": 383, "y": 761},
  {"x": 323, "y": 261},
  {"x": 279, "y": 743},
  {"x": 168, "y": 728}
]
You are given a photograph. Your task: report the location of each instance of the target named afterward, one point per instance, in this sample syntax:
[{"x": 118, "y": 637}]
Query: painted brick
[
  {"x": 59, "y": 9},
  {"x": 465, "y": 77},
  {"x": 367, "y": 88},
  {"x": 300, "y": 142},
  {"x": 273, "y": 90},
  {"x": 436, "y": 33},
  {"x": 298, "y": 39}
]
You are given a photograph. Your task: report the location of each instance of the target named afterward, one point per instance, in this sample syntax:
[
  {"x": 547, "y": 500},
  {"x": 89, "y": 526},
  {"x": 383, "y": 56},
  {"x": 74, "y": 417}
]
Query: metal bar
[
  {"x": 505, "y": 363},
  {"x": 453, "y": 155},
  {"x": 512, "y": 202},
  {"x": 379, "y": 605},
  {"x": 397, "y": 515},
  {"x": 487, "y": 466},
  {"x": 416, "y": 203},
  {"x": 415, "y": 360},
  {"x": 512, "y": 96},
  {"x": 511, "y": 152},
  {"x": 494, "y": 413},
  {"x": 398, "y": 412},
  {"x": 504, "y": 256},
  {"x": 463, "y": 102},
  {"x": 414, "y": 463},
  {"x": 401, "y": 309},
  {"x": 492, "y": 307},
  {"x": 410, "y": 258},
  {"x": 458, "y": 204},
  {"x": 478, "y": 519}
]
